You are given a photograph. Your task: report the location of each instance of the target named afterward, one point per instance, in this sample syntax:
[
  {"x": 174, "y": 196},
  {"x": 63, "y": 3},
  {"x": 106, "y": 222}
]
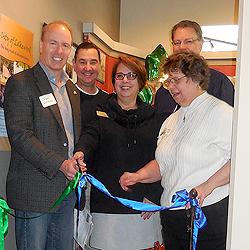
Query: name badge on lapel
[{"x": 47, "y": 100}]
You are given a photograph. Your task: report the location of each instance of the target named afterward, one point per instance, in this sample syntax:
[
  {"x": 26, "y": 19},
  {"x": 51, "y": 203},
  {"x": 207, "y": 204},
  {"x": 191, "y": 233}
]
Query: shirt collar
[
  {"x": 97, "y": 91},
  {"x": 51, "y": 76},
  {"x": 196, "y": 102}
]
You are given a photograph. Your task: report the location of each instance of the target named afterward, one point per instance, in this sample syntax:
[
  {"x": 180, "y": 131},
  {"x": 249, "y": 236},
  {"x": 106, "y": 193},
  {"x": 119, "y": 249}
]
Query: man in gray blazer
[{"x": 42, "y": 112}]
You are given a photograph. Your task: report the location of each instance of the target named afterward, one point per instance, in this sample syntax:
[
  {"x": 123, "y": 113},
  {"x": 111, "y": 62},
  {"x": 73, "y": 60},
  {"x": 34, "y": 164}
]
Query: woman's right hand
[{"x": 128, "y": 179}]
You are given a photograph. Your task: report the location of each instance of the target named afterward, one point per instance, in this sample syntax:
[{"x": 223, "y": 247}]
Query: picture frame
[
  {"x": 69, "y": 65},
  {"x": 101, "y": 75}
]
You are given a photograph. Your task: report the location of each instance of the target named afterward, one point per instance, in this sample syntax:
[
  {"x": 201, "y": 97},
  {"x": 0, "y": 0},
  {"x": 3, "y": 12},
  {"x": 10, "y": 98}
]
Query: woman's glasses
[
  {"x": 173, "y": 80},
  {"x": 130, "y": 76}
]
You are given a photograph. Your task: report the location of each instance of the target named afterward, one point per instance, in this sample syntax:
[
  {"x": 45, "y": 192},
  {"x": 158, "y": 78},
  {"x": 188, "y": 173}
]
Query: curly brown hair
[
  {"x": 191, "y": 65},
  {"x": 134, "y": 65}
]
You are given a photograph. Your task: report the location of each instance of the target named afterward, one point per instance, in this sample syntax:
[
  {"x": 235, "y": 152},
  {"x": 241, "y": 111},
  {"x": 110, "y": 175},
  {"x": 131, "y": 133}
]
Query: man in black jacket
[
  {"x": 86, "y": 64},
  {"x": 187, "y": 36}
]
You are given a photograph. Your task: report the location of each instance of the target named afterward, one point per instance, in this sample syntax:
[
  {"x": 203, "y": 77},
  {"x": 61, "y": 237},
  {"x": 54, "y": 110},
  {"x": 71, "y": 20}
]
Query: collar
[
  {"x": 51, "y": 76},
  {"x": 194, "y": 104},
  {"x": 97, "y": 91}
]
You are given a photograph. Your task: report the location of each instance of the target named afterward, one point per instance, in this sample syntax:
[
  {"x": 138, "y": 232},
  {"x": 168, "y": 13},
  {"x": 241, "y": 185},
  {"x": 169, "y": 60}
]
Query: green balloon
[
  {"x": 153, "y": 61},
  {"x": 146, "y": 95}
]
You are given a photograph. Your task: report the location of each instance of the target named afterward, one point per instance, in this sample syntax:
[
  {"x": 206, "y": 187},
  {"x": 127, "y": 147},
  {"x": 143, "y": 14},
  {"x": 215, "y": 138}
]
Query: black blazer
[{"x": 38, "y": 140}]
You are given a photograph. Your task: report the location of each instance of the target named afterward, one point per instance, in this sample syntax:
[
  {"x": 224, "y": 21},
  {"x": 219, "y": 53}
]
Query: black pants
[{"x": 211, "y": 237}]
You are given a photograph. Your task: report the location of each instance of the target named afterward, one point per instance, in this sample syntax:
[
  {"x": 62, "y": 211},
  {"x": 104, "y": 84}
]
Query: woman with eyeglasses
[
  {"x": 122, "y": 139},
  {"x": 193, "y": 151}
]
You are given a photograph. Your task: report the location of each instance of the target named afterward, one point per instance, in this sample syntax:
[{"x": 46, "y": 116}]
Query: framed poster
[
  {"x": 101, "y": 76},
  {"x": 16, "y": 54},
  {"x": 69, "y": 65}
]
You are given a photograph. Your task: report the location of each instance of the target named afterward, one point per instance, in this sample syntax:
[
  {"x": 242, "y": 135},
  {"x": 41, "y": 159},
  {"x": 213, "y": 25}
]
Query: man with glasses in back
[{"x": 187, "y": 36}]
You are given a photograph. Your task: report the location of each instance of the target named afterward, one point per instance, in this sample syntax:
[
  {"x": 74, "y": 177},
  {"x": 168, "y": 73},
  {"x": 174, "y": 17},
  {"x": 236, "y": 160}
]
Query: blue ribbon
[{"x": 179, "y": 199}]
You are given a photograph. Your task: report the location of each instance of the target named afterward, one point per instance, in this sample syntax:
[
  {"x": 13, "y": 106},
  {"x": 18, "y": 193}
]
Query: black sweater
[
  {"x": 116, "y": 142},
  {"x": 89, "y": 104}
]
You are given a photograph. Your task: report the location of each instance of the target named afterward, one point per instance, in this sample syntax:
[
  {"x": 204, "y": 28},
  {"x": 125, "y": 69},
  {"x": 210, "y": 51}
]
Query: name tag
[
  {"x": 102, "y": 114},
  {"x": 47, "y": 100}
]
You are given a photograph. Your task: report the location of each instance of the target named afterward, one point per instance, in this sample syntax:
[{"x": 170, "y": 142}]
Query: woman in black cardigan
[{"x": 122, "y": 138}]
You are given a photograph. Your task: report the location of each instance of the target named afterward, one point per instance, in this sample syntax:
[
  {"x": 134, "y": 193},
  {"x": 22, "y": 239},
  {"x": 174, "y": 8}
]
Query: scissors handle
[{"x": 191, "y": 214}]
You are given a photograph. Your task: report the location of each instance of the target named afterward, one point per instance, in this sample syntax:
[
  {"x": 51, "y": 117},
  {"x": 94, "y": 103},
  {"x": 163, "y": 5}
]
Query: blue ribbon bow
[{"x": 179, "y": 199}]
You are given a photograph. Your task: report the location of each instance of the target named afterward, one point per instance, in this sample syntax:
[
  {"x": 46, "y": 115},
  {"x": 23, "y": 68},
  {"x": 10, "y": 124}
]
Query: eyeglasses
[
  {"x": 129, "y": 75},
  {"x": 174, "y": 80},
  {"x": 187, "y": 42}
]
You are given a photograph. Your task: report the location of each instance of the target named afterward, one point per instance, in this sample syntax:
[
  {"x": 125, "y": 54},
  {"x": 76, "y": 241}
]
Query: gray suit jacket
[{"x": 38, "y": 141}]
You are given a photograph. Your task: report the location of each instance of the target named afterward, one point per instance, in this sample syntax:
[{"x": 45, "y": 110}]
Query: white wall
[
  {"x": 32, "y": 14},
  {"x": 146, "y": 23},
  {"x": 239, "y": 216}
]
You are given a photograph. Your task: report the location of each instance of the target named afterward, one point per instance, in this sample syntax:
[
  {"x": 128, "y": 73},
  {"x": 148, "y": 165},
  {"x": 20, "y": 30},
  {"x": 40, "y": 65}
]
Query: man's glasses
[
  {"x": 187, "y": 42},
  {"x": 130, "y": 76},
  {"x": 173, "y": 80}
]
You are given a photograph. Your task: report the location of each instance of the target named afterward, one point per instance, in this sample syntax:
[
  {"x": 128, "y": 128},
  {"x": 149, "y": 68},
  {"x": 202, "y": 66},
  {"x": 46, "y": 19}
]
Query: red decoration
[
  {"x": 228, "y": 70},
  {"x": 158, "y": 246}
]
